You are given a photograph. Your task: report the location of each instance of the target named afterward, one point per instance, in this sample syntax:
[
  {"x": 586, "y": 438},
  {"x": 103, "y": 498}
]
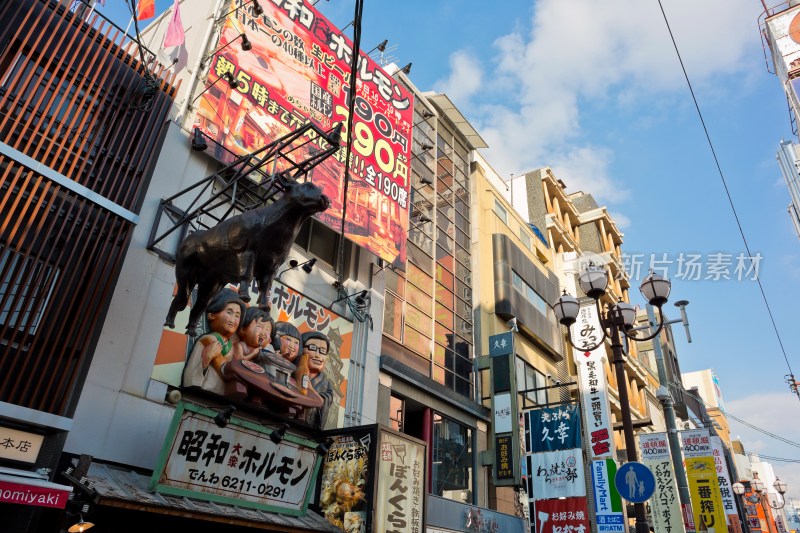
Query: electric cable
[
  {"x": 725, "y": 186},
  {"x": 351, "y": 110},
  {"x": 679, "y": 386}
]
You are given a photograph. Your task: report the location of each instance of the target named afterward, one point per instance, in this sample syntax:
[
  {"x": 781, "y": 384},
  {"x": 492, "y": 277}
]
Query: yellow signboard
[{"x": 706, "y": 498}]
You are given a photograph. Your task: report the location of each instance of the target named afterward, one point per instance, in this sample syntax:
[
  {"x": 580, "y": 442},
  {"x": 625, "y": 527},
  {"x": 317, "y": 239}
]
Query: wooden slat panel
[{"x": 65, "y": 101}]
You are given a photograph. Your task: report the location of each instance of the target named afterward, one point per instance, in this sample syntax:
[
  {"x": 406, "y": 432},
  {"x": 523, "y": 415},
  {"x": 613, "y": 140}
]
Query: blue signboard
[
  {"x": 635, "y": 482},
  {"x": 501, "y": 344},
  {"x": 553, "y": 428}
]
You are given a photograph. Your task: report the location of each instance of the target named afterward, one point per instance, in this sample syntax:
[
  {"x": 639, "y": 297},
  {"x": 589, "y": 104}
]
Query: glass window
[
  {"x": 396, "y": 408},
  {"x": 393, "y": 317},
  {"x": 529, "y": 379},
  {"x": 394, "y": 282},
  {"x": 416, "y": 341},
  {"x": 525, "y": 237},
  {"x": 529, "y": 293},
  {"x": 418, "y": 320},
  {"x": 452, "y": 469},
  {"x": 500, "y": 211}
]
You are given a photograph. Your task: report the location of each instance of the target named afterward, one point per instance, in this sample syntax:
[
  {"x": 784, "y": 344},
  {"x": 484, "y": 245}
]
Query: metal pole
[
  {"x": 742, "y": 513},
  {"x": 672, "y": 426},
  {"x": 642, "y": 526}
]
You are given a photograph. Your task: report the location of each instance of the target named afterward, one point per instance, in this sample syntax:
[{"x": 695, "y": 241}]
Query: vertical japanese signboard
[
  {"x": 346, "y": 481},
  {"x": 505, "y": 411},
  {"x": 592, "y": 382},
  {"x": 238, "y": 464},
  {"x": 607, "y": 501},
  {"x": 709, "y": 511},
  {"x": 665, "y": 503},
  {"x": 723, "y": 476},
  {"x": 555, "y": 459},
  {"x": 297, "y": 70},
  {"x": 400, "y": 491}
]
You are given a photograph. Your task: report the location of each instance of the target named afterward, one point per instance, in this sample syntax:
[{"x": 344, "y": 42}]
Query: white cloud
[
  {"x": 771, "y": 413},
  {"x": 466, "y": 77},
  {"x": 617, "y": 53}
]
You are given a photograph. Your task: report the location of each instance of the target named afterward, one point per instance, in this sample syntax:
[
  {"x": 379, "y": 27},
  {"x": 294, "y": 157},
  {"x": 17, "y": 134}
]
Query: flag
[
  {"x": 175, "y": 35},
  {"x": 146, "y": 9}
]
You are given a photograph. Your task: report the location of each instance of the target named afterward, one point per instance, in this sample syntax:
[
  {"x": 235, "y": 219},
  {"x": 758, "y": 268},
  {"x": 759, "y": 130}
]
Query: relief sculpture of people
[{"x": 246, "y": 357}]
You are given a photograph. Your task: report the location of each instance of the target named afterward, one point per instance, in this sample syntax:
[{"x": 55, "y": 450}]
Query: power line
[
  {"x": 771, "y": 458},
  {"x": 741, "y": 421},
  {"x": 725, "y": 186}
]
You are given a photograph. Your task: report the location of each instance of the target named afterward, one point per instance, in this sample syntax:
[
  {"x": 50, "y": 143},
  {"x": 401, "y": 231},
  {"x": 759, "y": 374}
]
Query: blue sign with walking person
[{"x": 635, "y": 482}]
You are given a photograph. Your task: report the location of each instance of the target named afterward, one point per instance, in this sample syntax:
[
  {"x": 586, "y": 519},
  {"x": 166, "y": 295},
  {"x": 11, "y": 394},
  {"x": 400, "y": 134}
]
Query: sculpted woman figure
[{"x": 212, "y": 351}]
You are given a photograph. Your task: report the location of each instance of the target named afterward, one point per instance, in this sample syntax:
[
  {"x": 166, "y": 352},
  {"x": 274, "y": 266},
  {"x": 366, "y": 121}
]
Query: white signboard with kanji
[
  {"x": 665, "y": 503},
  {"x": 238, "y": 464}
]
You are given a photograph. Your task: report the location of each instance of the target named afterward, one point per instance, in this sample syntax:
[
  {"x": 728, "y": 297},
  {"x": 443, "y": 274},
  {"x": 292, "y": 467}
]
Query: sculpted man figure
[{"x": 316, "y": 346}]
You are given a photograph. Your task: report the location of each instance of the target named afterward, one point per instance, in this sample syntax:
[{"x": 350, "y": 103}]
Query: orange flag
[{"x": 146, "y": 9}]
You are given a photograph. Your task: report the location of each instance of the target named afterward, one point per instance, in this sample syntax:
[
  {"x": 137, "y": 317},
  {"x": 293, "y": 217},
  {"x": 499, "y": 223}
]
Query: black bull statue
[{"x": 251, "y": 245}]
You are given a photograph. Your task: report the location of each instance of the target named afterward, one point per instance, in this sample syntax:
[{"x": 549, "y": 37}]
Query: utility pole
[{"x": 665, "y": 397}]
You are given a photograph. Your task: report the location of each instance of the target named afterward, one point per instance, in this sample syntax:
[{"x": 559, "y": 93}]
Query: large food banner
[
  {"x": 304, "y": 314},
  {"x": 298, "y": 69}
]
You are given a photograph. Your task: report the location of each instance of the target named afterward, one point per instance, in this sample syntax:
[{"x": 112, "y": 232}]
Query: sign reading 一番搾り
[
  {"x": 238, "y": 464},
  {"x": 701, "y": 473}
]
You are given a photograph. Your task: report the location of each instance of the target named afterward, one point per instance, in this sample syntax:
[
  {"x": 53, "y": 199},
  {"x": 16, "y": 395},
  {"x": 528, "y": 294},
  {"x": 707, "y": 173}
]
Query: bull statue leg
[
  {"x": 182, "y": 295},
  {"x": 246, "y": 260},
  {"x": 264, "y": 293},
  {"x": 204, "y": 293}
]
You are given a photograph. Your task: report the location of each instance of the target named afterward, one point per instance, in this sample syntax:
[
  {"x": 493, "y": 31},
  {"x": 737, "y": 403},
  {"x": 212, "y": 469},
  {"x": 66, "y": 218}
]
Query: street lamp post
[
  {"x": 760, "y": 494},
  {"x": 738, "y": 490},
  {"x": 616, "y": 323}
]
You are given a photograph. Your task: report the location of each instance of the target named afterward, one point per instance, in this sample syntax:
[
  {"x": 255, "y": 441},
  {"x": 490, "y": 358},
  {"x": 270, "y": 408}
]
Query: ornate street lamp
[
  {"x": 739, "y": 490},
  {"x": 616, "y": 323}
]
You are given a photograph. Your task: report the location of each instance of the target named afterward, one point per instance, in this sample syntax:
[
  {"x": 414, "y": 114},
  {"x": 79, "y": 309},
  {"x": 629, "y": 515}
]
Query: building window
[
  {"x": 528, "y": 379},
  {"x": 500, "y": 211},
  {"x": 525, "y": 237},
  {"x": 25, "y": 289},
  {"x": 451, "y": 472},
  {"x": 396, "y": 409},
  {"x": 529, "y": 293}
]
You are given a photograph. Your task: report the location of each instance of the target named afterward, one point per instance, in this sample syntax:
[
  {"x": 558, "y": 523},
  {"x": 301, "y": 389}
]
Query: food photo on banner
[
  {"x": 297, "y": 70},
  {"x": 264, "y": 363},
  {"x": 347, "y": 479}
]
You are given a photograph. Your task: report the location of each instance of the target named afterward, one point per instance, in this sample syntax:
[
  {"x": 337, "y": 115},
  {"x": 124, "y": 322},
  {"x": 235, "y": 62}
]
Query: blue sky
[{"x": 597, "y": 93}]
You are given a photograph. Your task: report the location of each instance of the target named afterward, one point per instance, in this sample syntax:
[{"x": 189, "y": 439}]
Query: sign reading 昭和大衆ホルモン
[{"x": 238, "y": 464}]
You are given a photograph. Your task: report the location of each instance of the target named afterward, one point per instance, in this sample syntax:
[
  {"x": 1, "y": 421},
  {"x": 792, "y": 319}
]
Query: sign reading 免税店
[{"x": 237, "y": 464}]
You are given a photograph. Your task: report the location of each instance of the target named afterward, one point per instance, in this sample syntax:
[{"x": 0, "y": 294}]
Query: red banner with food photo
[{"x": 295, "y": 67}]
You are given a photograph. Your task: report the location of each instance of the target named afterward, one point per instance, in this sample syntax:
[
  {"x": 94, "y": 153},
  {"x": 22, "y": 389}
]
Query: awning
[
  {"x": 119, "y": 487},
  {"x": 30, "y": 488}
]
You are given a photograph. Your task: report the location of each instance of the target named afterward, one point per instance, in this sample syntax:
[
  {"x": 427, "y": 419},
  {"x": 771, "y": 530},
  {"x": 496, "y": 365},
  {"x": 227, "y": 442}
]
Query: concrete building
[
  {"x": 578, "y": 230},
  {"x": 515, "y": 285},
  {"x": 708, "y": 389}
]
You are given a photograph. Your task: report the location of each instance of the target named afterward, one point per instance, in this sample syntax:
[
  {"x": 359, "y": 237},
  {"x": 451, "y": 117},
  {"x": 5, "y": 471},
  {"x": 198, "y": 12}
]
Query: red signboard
[
  {"x": 42, "y": 496},
  {"x": 562, "y": 514},
  {"x": 298, "y": 69}
]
